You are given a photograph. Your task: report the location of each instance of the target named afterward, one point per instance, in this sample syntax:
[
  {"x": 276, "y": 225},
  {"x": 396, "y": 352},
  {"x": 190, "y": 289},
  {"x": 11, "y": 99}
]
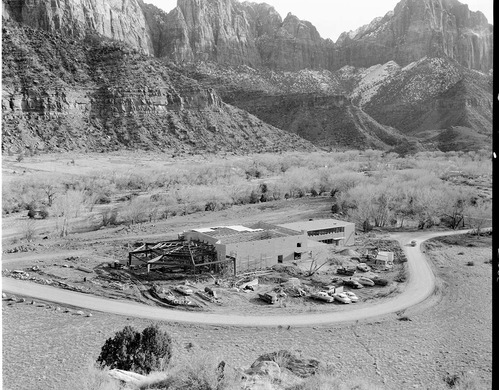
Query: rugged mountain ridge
[
  {"x": 381, "y": 106},
  {"x": 67, "y": 86},
  {"x": 98, "y": 95},
  {"x": 230, "y": 32}
]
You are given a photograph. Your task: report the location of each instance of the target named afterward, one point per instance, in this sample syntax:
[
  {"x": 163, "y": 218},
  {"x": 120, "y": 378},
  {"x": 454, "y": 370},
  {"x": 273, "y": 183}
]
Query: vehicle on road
[
  {"x": 365, "y": 281},
  {"x": 183, "y": 290},
  {"x": 345, "y": 271},
  {"x": 352, "y": 283},
  {"x": 413, "y": 243},
  {"x": 322, "y": 296},
  {"x": 342, "y": 297},
  {"x": 354, "y": 298},
  {"x": 269, "y": 297},
  {"x": 363, "y": 267}
]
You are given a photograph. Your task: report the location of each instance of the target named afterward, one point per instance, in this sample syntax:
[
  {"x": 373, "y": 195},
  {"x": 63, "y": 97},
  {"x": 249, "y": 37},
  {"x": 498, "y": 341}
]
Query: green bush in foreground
[{"x": 138, "y": 352}]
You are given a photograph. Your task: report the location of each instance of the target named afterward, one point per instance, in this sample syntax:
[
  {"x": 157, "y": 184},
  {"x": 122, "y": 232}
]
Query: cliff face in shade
[
  {"x": 295, "y": 45},
  {"x": 122, "y": 20},
  {"x": 420, "y": 28}
]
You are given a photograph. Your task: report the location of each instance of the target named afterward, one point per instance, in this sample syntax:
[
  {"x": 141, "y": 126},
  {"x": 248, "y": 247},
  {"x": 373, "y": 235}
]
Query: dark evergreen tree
[{"x": 138, "y": 352}]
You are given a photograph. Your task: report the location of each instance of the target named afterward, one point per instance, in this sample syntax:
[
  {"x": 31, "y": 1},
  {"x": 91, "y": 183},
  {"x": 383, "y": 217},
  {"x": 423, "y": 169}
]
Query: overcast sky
[{"x": 332, "y": 17}]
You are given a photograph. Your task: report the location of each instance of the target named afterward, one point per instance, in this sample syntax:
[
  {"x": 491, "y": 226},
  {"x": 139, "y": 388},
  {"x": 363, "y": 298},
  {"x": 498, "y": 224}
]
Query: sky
[{"x": 332, "y": 17}]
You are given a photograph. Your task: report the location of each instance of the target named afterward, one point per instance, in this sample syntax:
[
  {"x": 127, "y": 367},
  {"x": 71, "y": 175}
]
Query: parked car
[
  {"x": 322, "y": 296},
  {"x": 269, "y": 297},
  {"x": 363, "y": 267},
  {"x": 345, "y": 271},
  {"x": 342, "y": 297},
  {"x": 352, "y": 283},
  {"x": 413, "y": 243},
  {"x": 380, "y": 281},
  {"x": 183, "y": 289},
  {"x": 332, "y": 289},
  {"x": 354, "y": 298},
  {"x": 365, "y": 281}
]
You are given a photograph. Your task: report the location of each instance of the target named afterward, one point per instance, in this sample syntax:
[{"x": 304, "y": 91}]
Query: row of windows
[{"x": 327, "y": 231}]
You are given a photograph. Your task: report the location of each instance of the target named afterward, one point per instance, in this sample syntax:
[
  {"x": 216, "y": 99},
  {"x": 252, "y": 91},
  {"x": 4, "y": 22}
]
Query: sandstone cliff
[
  {"x": 98, "y": 95},
  {"x": 417, "y": 29},
  {"x": 122, "y": 20},
  {"x": 230, "y": 32}
]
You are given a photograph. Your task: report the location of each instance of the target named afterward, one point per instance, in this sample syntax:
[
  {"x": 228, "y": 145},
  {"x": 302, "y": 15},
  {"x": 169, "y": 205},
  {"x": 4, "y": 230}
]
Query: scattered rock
[
  {"x": 265, "y": 368},
  {"x": 302, "y": 367},
  {"x": 89, "y": 315},
  {"x": 126, "y": 376}
]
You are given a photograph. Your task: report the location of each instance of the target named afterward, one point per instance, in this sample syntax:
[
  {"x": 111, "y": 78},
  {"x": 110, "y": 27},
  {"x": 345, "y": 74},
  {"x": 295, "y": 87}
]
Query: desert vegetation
[
  {"x": 201, "y": 370},
  {"x": 371, "y": 188}
]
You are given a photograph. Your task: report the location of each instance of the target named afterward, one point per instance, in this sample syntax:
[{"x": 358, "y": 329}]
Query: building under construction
[{"x": 223, "y": 249}]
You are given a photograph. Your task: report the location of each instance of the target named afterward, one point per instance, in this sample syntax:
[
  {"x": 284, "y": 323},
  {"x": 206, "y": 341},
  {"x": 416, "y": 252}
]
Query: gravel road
[{"x": 420, "y": 285}]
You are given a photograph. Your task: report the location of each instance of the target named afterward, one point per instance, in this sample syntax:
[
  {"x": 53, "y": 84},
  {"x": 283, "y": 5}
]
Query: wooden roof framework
[{"x": 188, "y": 255}]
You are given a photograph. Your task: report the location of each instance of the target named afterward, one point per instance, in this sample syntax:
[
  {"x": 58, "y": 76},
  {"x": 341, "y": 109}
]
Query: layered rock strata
[{"x": 61, "y": 94}]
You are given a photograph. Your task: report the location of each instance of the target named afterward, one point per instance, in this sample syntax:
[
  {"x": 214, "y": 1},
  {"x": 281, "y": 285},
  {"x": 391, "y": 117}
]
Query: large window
[{"x": 322, "y": 232}]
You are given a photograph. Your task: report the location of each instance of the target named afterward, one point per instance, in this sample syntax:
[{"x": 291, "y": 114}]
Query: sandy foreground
[{"x": 45, "y": 348}]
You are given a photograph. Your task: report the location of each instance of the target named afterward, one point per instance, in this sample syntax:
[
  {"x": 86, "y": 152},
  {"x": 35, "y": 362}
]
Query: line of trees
[{"x": 371, "y": 188}]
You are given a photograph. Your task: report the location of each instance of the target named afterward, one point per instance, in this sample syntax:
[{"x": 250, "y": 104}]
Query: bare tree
[{"x": 315, "y": 264}]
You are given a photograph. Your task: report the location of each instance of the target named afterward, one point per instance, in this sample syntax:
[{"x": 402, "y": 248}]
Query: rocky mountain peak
[
  {"x": 419, "y": 28},
  {"x": 300, "y": 28}
]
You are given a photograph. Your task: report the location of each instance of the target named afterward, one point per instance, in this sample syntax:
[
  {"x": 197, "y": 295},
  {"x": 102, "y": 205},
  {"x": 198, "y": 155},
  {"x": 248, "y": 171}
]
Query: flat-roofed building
[
  {"x": 327, "y": 231},
  {"x": 256, "y": 246}
]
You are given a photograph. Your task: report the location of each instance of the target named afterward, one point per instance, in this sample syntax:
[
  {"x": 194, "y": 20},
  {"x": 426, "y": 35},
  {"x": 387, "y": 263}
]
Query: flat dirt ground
[{"x": 449, "y": 334}]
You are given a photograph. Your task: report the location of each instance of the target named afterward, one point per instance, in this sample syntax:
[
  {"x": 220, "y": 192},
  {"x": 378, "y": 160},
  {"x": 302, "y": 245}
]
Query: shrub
[
  {"x": 139, "y": 352},
  {"x": 97, "y": 379},
  {"x": 109, "y": 217},
  {"x": 28, "y": 230},
  {"x": 199, "y": 372}
]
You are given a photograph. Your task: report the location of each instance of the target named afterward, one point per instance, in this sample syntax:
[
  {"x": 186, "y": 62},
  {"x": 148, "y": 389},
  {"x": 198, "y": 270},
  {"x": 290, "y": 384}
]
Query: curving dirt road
[{"x": 420, "y": 285}]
